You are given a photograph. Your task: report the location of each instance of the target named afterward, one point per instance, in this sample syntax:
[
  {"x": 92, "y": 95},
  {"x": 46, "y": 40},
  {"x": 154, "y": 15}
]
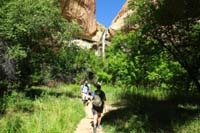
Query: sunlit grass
[
  {"x": 112, "y": 93},
  {"x": 56, "y": 110},
  {"x": 59, "y": 109}
]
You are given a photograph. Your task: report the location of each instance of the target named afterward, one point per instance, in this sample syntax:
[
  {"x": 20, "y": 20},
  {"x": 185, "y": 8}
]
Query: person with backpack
[
  {"x": 98, "y": 102},
  {"x": 85, "y": 91}
]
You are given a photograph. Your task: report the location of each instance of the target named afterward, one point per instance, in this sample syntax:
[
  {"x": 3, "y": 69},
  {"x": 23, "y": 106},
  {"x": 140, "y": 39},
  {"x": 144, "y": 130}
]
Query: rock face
[
  {"x": 98, "y": 35},
  {"x": 82, "y": 11},
  {"x": 118, "y": 21}
]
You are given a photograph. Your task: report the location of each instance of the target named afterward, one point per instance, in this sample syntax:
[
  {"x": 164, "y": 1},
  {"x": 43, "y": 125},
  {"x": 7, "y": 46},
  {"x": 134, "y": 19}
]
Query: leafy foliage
[
  {"x": 33, "y": 36},
  {"x": 166, "y": 31},
  {"x": 134, "y": 59}
]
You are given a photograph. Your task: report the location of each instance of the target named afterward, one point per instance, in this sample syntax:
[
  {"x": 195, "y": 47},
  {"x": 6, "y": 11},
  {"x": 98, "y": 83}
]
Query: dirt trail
[{"x": 85, "y": 124}]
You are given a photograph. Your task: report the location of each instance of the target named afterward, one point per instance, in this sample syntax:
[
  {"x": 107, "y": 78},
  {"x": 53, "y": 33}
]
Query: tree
[
  {"x": 175, "y": 26},
  {"x": 31, "y": 34}
]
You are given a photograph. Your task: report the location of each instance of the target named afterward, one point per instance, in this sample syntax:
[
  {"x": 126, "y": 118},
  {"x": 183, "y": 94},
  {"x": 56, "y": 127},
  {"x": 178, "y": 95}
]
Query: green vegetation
[
  {"x": 59, "y": 109},
  {"x": 151, "y": 70},
  {"x": 158, "y": 53},
  {"x": 112, "y": 93},
  {"x": 169, "y": 28},
  {"x": 42, "y": 109},
  {"x": 152, "y": 53},
  {"x": 153, "y": 110},
  {"x": 34, "y": 39}
]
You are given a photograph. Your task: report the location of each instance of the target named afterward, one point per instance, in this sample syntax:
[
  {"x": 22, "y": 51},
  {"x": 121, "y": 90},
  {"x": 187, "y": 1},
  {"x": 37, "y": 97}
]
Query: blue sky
[{"x": 106, "y": 10}]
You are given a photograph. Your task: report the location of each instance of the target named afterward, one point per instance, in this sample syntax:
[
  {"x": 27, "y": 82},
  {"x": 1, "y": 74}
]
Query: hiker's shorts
[
  {"x": 96, "y": 110},
  {"x": 85, "y": 96}
]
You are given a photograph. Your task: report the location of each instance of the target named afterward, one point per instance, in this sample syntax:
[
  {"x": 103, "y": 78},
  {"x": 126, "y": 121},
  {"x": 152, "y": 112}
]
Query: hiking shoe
[{"x": 99, "y": 127}]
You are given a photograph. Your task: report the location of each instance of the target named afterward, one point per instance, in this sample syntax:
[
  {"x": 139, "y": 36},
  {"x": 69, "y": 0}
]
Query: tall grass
[
  {"x": 59, "y": 110},
  {"x": 113, "y": 93},
  {"x": 152, "y": 110},
  {"x": 43, "y": 110}
]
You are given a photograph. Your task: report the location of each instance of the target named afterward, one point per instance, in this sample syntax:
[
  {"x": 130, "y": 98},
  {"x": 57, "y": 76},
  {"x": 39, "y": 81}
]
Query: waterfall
[{"x": 103, "y": 41}]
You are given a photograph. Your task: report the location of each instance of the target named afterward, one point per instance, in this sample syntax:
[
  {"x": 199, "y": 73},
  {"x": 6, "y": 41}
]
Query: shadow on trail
[
  {"x": 36, "y": 93},
  {"x": 148, "y": 114}
]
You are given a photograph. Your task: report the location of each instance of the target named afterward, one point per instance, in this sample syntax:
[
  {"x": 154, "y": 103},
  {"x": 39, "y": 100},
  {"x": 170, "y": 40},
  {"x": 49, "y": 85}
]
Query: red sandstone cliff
[
  {"x": 82, "y": 11},
  {"x": 118, "y": 21}
]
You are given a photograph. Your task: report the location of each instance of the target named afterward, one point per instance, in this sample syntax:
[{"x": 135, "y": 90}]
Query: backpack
[{"x": 97, "y": 101}]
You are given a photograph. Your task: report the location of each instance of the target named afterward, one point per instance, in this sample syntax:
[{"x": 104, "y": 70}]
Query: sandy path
[{"x": 85, "y": 124}]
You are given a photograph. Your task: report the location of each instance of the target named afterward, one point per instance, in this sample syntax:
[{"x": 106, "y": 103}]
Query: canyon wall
[
  {"x": 82, "y": 11},
  {"x": 118, "y": 22}
]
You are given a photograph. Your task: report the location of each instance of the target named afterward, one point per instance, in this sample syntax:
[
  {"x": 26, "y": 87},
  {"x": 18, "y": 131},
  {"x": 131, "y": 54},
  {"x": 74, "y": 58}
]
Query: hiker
[
  {"x": 85, "y": 92},
  {"x": 98, "y": 101}
]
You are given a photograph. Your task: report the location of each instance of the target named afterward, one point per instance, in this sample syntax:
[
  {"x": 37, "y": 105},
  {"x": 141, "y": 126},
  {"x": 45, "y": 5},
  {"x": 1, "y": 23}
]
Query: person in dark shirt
[{"x": 98, "y": 109}]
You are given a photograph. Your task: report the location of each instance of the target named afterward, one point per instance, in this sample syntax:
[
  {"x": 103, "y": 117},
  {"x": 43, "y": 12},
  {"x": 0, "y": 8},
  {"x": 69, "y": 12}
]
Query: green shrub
[{"x": 103, "y": 76}]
